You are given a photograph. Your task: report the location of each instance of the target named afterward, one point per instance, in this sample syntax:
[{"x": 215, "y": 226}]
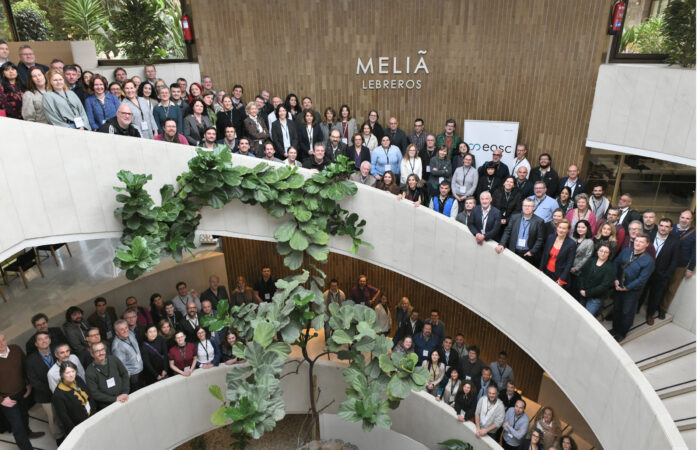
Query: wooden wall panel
[
  {"x": 247, "y": 257},
  {"x": 531, "y": 61}
]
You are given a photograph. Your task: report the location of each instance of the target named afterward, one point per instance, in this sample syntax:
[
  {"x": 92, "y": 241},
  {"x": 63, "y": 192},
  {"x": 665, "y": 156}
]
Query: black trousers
[
  {"x": 18, "y": 417},
  {"x": 656, "y": 290}
]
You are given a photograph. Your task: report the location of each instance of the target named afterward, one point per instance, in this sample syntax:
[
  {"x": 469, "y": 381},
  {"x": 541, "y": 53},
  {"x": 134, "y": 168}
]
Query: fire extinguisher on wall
[
  {"x": 186, "y": 28},
  {"x": 617, "y": 17}
]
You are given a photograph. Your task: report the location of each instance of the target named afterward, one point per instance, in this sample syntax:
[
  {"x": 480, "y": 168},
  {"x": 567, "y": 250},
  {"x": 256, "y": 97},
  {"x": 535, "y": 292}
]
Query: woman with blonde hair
[
  {"x": 61, "y": 106},
  {"x": 606, "y": 234},
  {"x": 403, "y": 310},
  {"x": 411, "y": 164},
  {"x": 546, "y": 422}
]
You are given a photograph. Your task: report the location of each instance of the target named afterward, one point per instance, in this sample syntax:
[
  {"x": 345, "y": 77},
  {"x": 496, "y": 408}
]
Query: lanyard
[
  {"x": 412, "y": 164},
  {"x": 344, "y": 125},
  {"x": 128, "y": 341},
  {"x": 102, "y": 105},
  {"x": 183, "y": 353},
  {"x": 285, "y": 130},
  {"x": 597, "y": 206},
  {"x": 153, "y": 348},
  {"x": 484, "y": 218},
  {"x": 206, "y": 349},
  {"x": 71, "y": 105},
  {"x": 366, "y": 140},
  {"x": 507, "y": 194},
  {"x": 103, "y": 374},
  {"x": 659, "y": 244},
  {"x": 515, "y": 167},
  {"x": 138, "y": 105},
  {"x": 524, "y": 228},
  {"x": 515, "y": 422},
  {"x": 466, "y": 172},
  {"x": 310, "y": 133},
  {"x": 386, "y": 153},
  {"x": 537, "y": 204}
]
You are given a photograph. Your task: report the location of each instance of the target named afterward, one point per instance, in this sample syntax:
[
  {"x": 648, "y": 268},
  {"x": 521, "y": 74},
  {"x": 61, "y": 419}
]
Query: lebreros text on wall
[{"x": 411, "y": 69}]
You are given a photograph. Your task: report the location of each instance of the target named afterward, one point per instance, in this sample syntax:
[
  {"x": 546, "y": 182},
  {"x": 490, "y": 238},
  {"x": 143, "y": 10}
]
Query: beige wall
[{"x": 45, "y": 51}]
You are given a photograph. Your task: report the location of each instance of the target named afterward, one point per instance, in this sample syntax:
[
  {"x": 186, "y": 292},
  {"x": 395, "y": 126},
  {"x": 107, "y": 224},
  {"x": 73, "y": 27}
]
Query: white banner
[{"x": 484, "y": 136}]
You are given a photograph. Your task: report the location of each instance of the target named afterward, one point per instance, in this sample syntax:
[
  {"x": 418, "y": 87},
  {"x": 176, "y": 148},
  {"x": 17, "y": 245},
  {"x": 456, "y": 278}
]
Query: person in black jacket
[
  {"x": 546, "y": 174},
  {"x": 71, "y": 400},
  {"x": 470, "y": 366},
  {"x": 215, "y": 292},
  {"x": 488, "y": 181},
  {"x": 228, "y": 117},
  {"x": 409, "y": 327},
  {"x": 509, "y": 395},
  {"x": 524, "y": 234},
  {"x": 465, "y": 403},
  {"x": 154, "y": 351},
  {"x": 37, "y": 367},
  {"x": 667, "y": 247},
  {"x": 121, "y": 123},
  {"x": 40, "y": 322},
  {"x": 377, "y": 130},
  {"x": 596, "y": 278},
  {"x": 283, "y": 133},
  {"x": 448, "y": 357},
  {"x": 507, "y": 199},
  {"x": 559, "y": 253},
  {"x": 309, "y": 134}
]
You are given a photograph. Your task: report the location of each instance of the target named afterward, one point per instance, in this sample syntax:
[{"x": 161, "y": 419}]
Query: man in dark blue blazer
[
  {"x": 485, "y": 220},
  {"x": 573, "y": 182},
  {"x": 667, "y": 248},
  {"x": 634, "y": 267},
  {"x": 524, "y": 234}
]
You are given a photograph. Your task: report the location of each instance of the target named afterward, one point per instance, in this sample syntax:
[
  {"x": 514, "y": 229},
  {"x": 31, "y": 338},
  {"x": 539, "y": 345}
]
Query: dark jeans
[
  {"x": 135, "y": 382},
  {"x": 533, "y": 260},
  {"x": 657, "y": 290},
  {"x": 623, "y": 311},
  {"x": 18, "y": 417}
]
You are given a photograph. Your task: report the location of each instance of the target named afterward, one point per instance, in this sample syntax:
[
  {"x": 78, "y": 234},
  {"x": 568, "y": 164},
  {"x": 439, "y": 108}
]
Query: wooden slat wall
[
  {"x": 531, "y": 61},
  {"x": 247, "y": 257}
]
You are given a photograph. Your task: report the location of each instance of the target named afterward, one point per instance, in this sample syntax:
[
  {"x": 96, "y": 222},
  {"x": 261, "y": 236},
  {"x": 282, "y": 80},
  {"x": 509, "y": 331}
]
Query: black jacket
[
  {"x": 304, "y": 144},
  {"x": 55, "y": 334},
  {"x": 36, "y": 374},
  {"x": 550, "y": 178},
  {"x": 535, "y": 234},
  {"x": 452, "y": 363},
  {"x": 493, "y": 222},
  {"x": 406, "y": 330},
  {"x": 503, "y": 395},
  {"x": 221, "y": 294},
  {"x": 341, "y": 150},
  {"x": 470, "y": 369},
  {"x": 629, "y": 217},
  {"x": 666, "y": 258},
  {"x": 69, "y": 409},
  {"x": 596, "y": 281},
  {"x": 365, "y": 155},
  {"x": 228, "y": 118},
  {"x": 565, "y": 258},
  {"x": 398, "y": 139},
  {"x": 111, "y": 126},
  {"x": 155, "y": 359},
  {"x": 487, "y": 184},
  {"x": 278, "y": 138},
  {"x": 96, "y": 321},
  {"x": 579, "y": 188},
  {"x": 526, "y": 188},
  {"x": 466, "y": 403},
  {"x": 310, "y": 163},
  {"x": 507, "y": 206},
  {"x": 502, "y": 170}
]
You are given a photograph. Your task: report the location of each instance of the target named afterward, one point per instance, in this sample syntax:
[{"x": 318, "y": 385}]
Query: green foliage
[
  {"x": 679, "y": 32},
  {"x": 213, "y": 181},
  {"x": 645, "y": 38},
  {"x": 31, "y": 21},
  {"x": 170, "y": 13},
  {"x": 140, "y": 30},
  {"x": 456, "y": 444},
  {"x": 87, "y": 19}
]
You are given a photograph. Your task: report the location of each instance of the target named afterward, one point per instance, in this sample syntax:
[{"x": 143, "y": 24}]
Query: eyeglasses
[{"x": 125, "y": 114}]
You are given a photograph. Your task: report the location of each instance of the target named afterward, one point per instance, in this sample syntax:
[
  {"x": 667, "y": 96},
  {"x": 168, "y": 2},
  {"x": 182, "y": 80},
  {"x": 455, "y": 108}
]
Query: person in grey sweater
[
  {"x": 106, "y": 377},
  {"x": 62, "y": 106},
  {"x": 141, "y": 112}
]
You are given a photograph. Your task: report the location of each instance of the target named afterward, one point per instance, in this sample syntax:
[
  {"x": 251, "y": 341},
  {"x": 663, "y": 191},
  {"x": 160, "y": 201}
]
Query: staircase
[{"x": 665, "y": 353}]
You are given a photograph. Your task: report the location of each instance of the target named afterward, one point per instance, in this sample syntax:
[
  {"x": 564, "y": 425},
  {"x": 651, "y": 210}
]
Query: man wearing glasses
[
  {"x": 120, "y": 124},
  {"x": 418, "y": 135},
  {"x": 502, "y": 170},
  {"x": 106, "y": 377}
]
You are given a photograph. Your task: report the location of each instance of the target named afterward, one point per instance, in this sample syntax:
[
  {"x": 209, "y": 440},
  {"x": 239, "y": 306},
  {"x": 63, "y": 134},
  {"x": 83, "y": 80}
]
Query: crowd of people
[{"x": 592, "y": 248}]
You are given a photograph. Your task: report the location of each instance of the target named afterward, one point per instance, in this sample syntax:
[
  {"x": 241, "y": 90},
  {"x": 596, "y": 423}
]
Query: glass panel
[
  {"x": 663, "y": 186},
  {"x": 602, "y": 167},
  {"x": 641, "y": 32},
  {"x": 5, "y": 32}
]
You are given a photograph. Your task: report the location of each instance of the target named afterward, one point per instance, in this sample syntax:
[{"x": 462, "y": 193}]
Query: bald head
[{"x": 123, "y": 115}]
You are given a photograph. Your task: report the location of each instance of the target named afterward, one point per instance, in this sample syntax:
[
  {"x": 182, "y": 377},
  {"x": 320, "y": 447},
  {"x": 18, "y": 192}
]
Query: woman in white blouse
[
  {"x": 449, "y": 394},
  {"x": 368, "y": 139},
  {"x": 292, "y": 157},
  {"x": 141, "y": 111},
  {"x": 411, "y": 164},
  {"x": 32, "y": 109},
  {"x": 208, "y": 353}
]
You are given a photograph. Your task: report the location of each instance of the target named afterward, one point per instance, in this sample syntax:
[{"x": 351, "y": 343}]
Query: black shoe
[
  {"x": 619, "y": 337},
  {"x": 662, "y": 315},
  {"x": 609, "y": 317}
]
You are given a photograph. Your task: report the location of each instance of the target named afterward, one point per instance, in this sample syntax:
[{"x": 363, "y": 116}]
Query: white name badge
[
  {"x": 522, "y": 243},
  {"x": 144, "y": 125},
  {"x": 427, "y": 168},
  {"x": 387, "y": 167},
  {"x": 267, "y": 296},
  {"x": 103, "y": 122},
  {"x": 87, "y": 407},
  {"x": 425, "y": 353},
  {"x": 345, "y": 141},
  {"x": 461, "y": 190},
  {"x": 111, "y": 383},
  {"x": 187, "y": 369},
  {"x": 467, "y": 378},
  {"x": 441, "y": 179},
  {"x": 78, "y": 121}
]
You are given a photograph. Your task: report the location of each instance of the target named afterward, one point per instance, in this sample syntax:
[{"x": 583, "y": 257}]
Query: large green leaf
[
  {"x": 318, "y": 252},
  {"x": 264, "y": 333},
  {"x": 347, "y": 411},
  {"x": 299, "y": 241},
  {"x": 218, "y": 417},
  {"x": 385, "y": 364},
  {"x": 341, "y": 337},
  {"x": 398, "y": 388},
  {"x": 293, "y": 260},
  {"x": 215, "y": 390}
]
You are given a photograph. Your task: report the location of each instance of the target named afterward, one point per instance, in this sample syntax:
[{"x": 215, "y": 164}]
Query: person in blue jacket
[
  {"x": 101, "y": 105},
  {"x": 384, "y": 158},
  {"x": 634, "y": 267},
  {"x": 425, "y": 342}
]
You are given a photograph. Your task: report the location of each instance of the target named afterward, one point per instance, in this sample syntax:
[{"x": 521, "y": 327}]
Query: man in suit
[
  {"x": 40, "y": 322},
  {"x": 409, "y": 327},
  {"x": 574, "y": 183},
  {"x": 502, "y": 170},
  {"x": 103, "y": 318},
  {"x": 485, "y": 221},
  {"x": 685, "y": 265},
  {"x": 627, "y": 214},
  {"x": 190, "y": 323},
  {"x": 334, "y": 147},
  {"x": 667, "y": 247},
  {"x": 37, "y": 367},
  {"x": 449, "y": 357},
  {"x": 546, "y": 174},
  {"x": 396, "y": 135},
  {"x": 524, "y": 234},
  {"x": 364, "y": 176}
]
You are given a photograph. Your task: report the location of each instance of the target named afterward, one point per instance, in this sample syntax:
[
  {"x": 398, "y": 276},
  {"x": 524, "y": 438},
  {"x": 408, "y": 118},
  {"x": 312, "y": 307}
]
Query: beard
[{"x": 544, "y": 166}]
